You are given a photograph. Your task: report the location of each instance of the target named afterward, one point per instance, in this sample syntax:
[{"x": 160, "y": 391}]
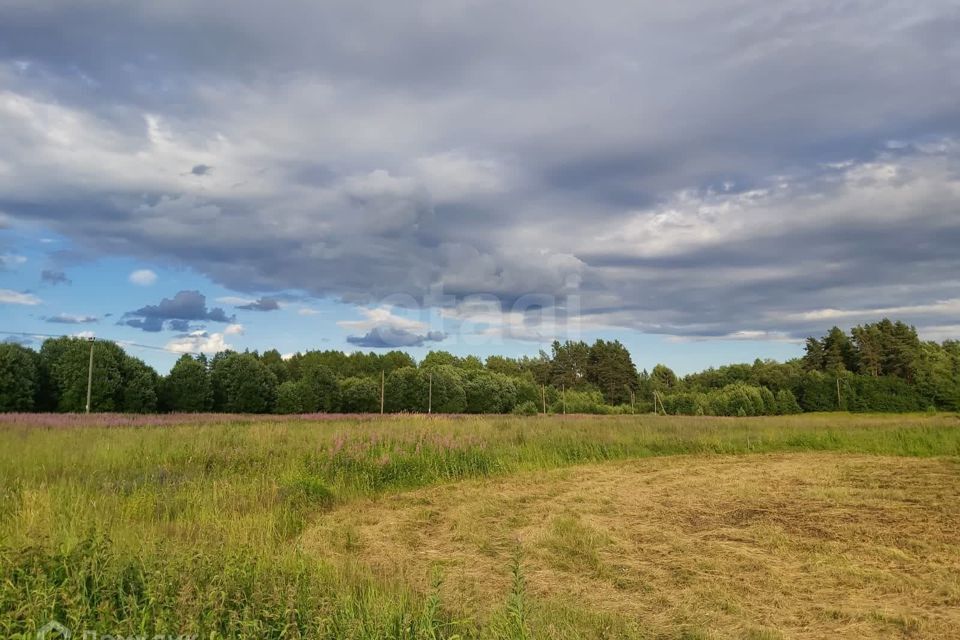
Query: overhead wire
[{"x": 119, "y": 343}]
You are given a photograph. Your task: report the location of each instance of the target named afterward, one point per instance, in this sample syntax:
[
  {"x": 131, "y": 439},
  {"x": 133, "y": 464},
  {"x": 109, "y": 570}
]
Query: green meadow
[{"x": 228, "y": 527}]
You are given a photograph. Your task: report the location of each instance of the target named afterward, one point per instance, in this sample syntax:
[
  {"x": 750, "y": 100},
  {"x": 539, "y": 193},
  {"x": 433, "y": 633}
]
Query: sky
[{"x": 708, "y": 182}]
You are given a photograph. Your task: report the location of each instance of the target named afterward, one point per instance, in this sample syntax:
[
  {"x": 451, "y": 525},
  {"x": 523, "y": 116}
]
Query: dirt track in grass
[{"x": 763, "y": 546}]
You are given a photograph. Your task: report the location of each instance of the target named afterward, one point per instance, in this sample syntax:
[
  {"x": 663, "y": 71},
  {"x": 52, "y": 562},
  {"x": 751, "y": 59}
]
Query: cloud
[
  {"x": 387, "y": 337},
  {"x": 251, "y": 304},
  {"x": 54, "y": 277},
  {"x": 143, "y": 277},
  {"x": 23, "y": 341},
  {"x": 65, "y": 318},
  {"x": 234, "y": 330},
  {"x": 483, "y": 319},
  {"x": 384, "y": 329},
  {"x": 8, "y": 260},
  {"x": 262, "y": 304},
  {"x": 235, "y": 301},
  {"x": 456, "y": 177},
  {"x": 381, "y": 316},
  {"x": 173, "y": 325},
  {"x": 154, "y": 325},
  {"x": 801, "y": 157},
  {"x": 84, "y": 334},
  {"x": 184, "y": 307},
  {"x": 307, "y": 311},
  {"x": 199, "y": 342},
  {"x": 8, "y": 296}
]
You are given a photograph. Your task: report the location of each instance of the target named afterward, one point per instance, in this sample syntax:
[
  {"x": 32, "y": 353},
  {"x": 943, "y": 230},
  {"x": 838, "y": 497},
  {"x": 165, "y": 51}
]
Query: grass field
[{"x": 810, "y": 526}]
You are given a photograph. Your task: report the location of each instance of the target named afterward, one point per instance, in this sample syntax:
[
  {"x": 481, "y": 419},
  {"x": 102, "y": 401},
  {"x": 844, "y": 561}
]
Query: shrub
[
  {"x": 18, "y": 378},
  {"x": 448, "y": 395},
  {"x": 883, "y": 393},
  {"x": 526, "y": 408},
  {"x": 787, "y": 403},
  {"x": 581, "y": 402},
  {"x": 292, "y": 397},
  {"x": 322, "y": 391},
  {"x": 359, "y": 395},
  {"x": 242, "y": 384}
]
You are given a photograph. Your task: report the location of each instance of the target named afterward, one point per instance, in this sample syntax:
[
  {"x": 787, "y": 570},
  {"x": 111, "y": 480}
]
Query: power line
[
  {"x": 34, "y": 334},
  {"x": 150, "y": 346},
  {"x": 119, "y": 343}
]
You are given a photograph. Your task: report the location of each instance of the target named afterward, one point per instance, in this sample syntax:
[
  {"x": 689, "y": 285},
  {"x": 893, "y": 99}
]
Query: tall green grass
[{"x": 194, "y": 528}]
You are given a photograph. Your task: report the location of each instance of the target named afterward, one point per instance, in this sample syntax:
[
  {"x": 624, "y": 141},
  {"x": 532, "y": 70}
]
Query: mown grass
[
  {"x": 195, "y": 528},
  {"x": 796, "y": 545}
]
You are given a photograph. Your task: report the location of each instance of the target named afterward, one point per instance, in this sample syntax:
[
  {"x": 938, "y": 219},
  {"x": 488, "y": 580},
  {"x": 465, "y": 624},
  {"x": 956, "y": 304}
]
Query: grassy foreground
[{"x": 240, "y": 528}]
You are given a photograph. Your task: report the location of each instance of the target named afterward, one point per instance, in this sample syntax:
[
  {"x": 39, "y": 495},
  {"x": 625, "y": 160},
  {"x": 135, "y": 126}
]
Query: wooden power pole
[
  {"x": 381, "y": 391},
  {"x": 90, "y": 375}
]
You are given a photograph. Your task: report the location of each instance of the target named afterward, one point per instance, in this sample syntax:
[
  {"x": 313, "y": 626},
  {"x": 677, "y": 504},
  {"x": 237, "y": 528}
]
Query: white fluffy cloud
[
  {"x": 143, "y": 277},
  {"x": 381, "y": 329},
  {"x": 235, "y": 301},
  {"x": 8, "y": 296},
  {"x": 380, "y": 317},
  {"x": 199, "y": 342}
]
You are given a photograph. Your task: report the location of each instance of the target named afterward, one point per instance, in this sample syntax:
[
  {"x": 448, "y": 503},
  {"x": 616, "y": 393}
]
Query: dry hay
[{"x": 800, "y": 545}]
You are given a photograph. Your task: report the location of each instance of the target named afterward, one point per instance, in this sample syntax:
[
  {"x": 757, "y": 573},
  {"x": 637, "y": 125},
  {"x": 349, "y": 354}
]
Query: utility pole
[
  {"x": 543, "y": 397},
  {"x": 563, "y": 396},
  {"x": 839, "y": 403},
  {"x": 90, "y": 375},
  {"x": 430, "y": 394},
  {"x": 381, "y": 391}
]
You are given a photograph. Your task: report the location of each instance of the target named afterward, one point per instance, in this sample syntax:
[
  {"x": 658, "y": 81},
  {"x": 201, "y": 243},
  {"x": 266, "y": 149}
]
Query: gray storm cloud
[
  {"x": 261, "y": 304},
  {"x": 175, "y": 313},
  {"x": 686, "y": 168}
]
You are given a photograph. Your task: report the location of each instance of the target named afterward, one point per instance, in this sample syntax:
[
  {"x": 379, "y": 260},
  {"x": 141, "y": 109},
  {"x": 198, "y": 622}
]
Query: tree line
[{"x": 877, "y": 367}]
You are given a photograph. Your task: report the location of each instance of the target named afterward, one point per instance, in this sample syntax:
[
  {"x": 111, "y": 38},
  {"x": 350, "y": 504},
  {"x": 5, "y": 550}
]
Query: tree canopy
[{"x": 881, "y": 366}]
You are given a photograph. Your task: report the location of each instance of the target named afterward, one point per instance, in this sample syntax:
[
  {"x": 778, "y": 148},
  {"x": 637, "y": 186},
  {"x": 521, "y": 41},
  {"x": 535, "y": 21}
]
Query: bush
[
  {"x": 817, "y": 392},
  {"x": 409, "y": 389},
  {"x": 404, "y": 392},
  {"x": 581, "y": 402},
  {"x": 242, "y": 384},
  {"x": 19, "y": 379},
  {"x": 359, "y": 395},
  {"x": 526, "y": 408},
  {"x": 322, "y": 391},
  {"x": 292, "y": 397},
  {"x": 624, "y": 410},
  {"x": 737, "y": 399},
  {"x": 884, "y": 393},
  {"x": 448, "y": 395},
  {"x": 787, "y": 403},
  {"x": 187, "y": 387},
  {"x": 489, "y": 392},
  {"x": 686, "y": 404}
]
